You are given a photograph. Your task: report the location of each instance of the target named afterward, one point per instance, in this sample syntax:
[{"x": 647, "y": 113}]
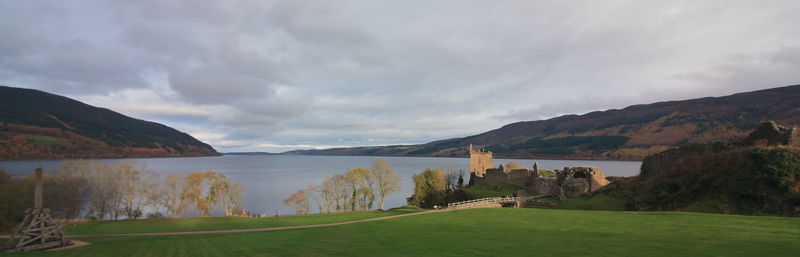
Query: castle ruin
[
  {"x": 568, "y": 182},
  {"x": 479, "y": 161}
]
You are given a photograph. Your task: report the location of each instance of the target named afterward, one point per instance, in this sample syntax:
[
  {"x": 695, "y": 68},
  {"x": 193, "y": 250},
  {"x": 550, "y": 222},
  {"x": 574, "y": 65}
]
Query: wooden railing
[{"x": 481, "y": 202}]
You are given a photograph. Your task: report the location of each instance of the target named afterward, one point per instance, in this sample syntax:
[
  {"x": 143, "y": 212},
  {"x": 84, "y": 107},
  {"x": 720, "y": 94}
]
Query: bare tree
[
  {"x": 314, "y": 193},
  {"x": 341, "y": 191},
  {"x": 65, "y": 194},
  {"x": 174, "y": 199},
  {"x": 299, "y": 201},
  {"x": 156, "y": 194},
  {"x": 125, "y": 189},
  {"x": 104, "y": 197},
  {"x": 384, "y": 180},
  {"x": 229, "y": 195},
  {"x": 134, "y": 181},
  {"x": 451, "y": 176},
  {"x": 327, "y": 194}
]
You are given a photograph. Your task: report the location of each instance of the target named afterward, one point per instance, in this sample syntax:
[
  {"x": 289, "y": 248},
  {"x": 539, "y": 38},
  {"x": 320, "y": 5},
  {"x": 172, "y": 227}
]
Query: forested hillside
[{"x": 40, "y": 125}]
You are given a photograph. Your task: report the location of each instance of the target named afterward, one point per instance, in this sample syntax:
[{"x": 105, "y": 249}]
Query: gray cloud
[{"x": 276, "y": 75}]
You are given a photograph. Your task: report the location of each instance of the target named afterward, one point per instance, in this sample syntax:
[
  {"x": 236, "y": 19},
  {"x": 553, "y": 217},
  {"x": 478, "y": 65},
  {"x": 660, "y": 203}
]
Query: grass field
[
  {"x": 496, "y": 189},
  {"x": 46, "y": 140},
  {"x": 487, "y": 232},
  {"x": 215, "y": 223},
  {"x": 598, "y": 202}
]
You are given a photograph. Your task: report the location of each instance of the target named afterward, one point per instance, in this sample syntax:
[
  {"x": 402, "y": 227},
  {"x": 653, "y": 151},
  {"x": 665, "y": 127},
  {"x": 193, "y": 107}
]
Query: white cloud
[{"x": 277, "y": 75}]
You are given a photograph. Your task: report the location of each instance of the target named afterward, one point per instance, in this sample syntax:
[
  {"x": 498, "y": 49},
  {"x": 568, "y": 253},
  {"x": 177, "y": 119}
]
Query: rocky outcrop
[{"x": 772, "y": 134}]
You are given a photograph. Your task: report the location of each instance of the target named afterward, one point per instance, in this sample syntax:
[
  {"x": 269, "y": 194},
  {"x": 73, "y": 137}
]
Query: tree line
[
  {"x": 356, "y": 190},
  {"x": 438, "y": 187},
  {"x": 103, "y": 190}
]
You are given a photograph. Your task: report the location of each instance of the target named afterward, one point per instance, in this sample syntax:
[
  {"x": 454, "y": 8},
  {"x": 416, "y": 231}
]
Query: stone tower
[{"x": 479, "y": 161}]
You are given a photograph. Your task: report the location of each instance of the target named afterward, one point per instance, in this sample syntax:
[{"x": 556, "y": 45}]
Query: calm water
[{"x": 269, "y": 179}]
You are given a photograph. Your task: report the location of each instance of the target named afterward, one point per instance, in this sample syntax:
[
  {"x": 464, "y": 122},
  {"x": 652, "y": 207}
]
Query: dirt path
[
  {"x": 251, "y": 229},
  {"x": 75, "y": 243}
]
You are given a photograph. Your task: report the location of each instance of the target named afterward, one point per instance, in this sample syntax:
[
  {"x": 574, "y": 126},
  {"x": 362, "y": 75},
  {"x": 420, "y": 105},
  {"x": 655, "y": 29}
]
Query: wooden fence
[{"x": 481, "y": 202}]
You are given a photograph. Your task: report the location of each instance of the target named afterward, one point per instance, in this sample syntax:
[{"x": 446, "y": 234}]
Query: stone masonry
[{"x": 568, "y": 182}]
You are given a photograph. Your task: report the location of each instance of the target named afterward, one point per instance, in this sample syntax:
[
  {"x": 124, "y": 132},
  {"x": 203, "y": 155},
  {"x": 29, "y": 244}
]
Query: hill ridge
[
  {"x": 630, "y": 133},
  {"x": 42, "y": 125}
]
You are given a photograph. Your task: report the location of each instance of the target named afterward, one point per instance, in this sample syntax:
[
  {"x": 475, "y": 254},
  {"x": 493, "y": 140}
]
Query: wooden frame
[{"x": 37, "y": 231}]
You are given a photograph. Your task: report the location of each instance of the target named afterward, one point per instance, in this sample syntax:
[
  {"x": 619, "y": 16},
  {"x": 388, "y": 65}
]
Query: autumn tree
[
  {"x": 100, "y": 190},
  {"x": 429, "y": 188},
  {"x": 299, "y": 201},
  {"x": 362, "y": 196},
  {"x": 384, "y": 179},
  {"x": 355, "y": 190},
  {"x": 202, "y": 189}
]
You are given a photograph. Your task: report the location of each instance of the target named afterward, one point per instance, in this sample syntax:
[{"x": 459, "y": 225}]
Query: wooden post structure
[
  {"x": 37, "y": 194},
  {"x": 37, "y": 231}
]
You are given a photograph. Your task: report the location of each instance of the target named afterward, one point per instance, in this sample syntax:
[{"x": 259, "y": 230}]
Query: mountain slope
[
  {"x": 759, "y": 175},
  {"x": 40, "y": 125},
  {"x": 626, "y": 134}
]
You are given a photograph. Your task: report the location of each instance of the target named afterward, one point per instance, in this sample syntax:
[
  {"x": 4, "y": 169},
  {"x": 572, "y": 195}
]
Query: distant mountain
[
  {"x": 249, "y": 153},
  {"x": 627, "y": 134},
  {"x": 40, "y": 125}
]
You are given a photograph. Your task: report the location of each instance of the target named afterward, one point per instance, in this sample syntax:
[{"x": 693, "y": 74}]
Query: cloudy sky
[{"x": 281, "y": 75}]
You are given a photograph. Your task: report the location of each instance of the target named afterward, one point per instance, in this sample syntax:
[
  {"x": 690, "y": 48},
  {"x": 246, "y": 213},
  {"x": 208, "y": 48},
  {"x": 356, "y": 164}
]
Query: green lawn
[
  {"x": 216, "y": 223},
  {"x": 496, "y": 189},
  {"x": 598, "y": 202},
  {"x": 487, "y": 232}
]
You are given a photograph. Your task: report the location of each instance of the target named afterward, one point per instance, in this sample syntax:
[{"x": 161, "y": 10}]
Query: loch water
[{"x": 268, "y": 179}]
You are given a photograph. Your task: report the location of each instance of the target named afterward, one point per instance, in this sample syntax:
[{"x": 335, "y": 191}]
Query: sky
[{"x": 282, "y": 75}]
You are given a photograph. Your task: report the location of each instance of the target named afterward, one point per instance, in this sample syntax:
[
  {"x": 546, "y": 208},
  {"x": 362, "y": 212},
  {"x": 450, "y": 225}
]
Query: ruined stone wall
[
  {"x": 598, "y": 179},
  {"x": 495, "y": 175},
  {"x": 570, "y": 182},
  {"x": 579, "y": 180},
  {"x": 518, "y": 177},
  {"x": 542, "y": 185}
]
